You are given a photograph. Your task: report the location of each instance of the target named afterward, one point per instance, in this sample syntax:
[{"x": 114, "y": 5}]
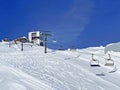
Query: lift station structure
[{"x": 35, "y": 37}]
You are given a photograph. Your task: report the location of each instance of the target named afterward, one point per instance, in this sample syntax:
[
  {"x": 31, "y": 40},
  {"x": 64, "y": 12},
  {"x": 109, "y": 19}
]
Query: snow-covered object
[{"x": 113, "y": 47}]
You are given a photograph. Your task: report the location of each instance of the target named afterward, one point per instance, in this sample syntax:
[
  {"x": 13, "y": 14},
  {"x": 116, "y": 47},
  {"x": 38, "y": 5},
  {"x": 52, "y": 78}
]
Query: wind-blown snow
[{"x": 31, "y": 69}]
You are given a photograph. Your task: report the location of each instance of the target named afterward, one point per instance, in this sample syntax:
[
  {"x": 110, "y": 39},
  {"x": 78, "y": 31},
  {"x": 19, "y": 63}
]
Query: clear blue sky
[{"x": 78, "y": 23}]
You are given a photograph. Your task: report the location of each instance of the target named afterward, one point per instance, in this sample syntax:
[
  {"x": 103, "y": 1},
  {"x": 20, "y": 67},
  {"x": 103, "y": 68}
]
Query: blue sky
[{"x": 78, "y": 23}]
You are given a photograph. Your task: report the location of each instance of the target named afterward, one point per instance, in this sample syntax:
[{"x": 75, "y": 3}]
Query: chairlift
[
  {"x": 61, "y": 48},
  {"x": 109, "y": 61},
  {"x": 73, "y": 48},
  {"x": 54, "y": 40},
  {"x": 94, "y": 62}
]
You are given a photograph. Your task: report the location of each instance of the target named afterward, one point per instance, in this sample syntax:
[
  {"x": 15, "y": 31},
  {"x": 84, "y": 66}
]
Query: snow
[
  {"x": 113, "y": 47},
  {"x": 31, "y": 69},
  {"x": 13, "y": 79}
]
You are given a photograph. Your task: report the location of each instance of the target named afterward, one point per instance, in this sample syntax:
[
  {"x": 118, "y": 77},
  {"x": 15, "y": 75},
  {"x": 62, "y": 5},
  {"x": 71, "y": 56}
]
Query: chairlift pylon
[
  {"x": 109, "y": 61},
  {"x": 94, "y": 62}
]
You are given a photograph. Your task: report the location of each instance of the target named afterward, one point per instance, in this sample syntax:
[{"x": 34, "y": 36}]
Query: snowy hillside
[{"x": 31, "y": 69}]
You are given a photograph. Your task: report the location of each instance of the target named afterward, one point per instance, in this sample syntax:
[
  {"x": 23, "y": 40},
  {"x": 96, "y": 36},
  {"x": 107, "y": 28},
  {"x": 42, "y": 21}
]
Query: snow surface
[
  {"x": 113, "y": 47},
  {"x": 31, "y": 69}
]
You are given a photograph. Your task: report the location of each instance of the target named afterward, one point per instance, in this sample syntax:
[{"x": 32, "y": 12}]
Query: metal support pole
[
  {"x": 109, "y": 56},
  {"x": 45, "y": 44},
  {"x": 9, "y": 44},
  {"x": 45, "y": 41},
  {"x": 92, "y": 56},
  {"x": 22, "y": 46}
]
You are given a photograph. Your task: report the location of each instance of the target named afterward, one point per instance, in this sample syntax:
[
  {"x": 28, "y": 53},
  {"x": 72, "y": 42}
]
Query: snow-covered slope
[
  {"x": 14, "y": 79},
  {"x": 113, "y": 47},
  {"x": 31, "y": 69}
]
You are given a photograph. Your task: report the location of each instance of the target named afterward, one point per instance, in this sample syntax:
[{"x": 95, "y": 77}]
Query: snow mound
[{"x": 113, "y": 47}]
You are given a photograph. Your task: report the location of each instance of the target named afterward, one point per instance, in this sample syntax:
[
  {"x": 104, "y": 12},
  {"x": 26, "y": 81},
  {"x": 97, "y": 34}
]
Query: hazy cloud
[
  {"x": 79, "y": 14},
  {"x": 75, "y": 19}
]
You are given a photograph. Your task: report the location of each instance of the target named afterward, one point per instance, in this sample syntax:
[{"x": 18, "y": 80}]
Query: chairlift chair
[
  {"x": 109, "y": 61},
  {"x": 61, "y": 48},
  {"x": 54, "y": 40},
  {"x": 94, "y": 62}
]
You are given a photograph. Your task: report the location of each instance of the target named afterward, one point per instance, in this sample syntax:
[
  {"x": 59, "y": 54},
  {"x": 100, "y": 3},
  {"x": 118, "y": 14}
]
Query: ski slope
[
  {"x": 14, "y": 79},
  {"x": 31, "y": 69}
]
